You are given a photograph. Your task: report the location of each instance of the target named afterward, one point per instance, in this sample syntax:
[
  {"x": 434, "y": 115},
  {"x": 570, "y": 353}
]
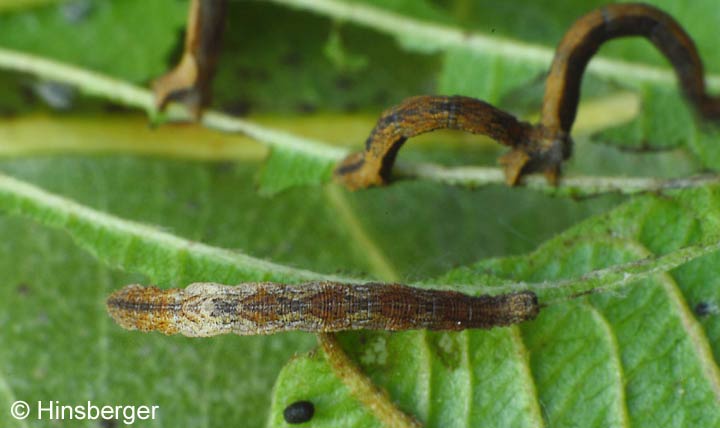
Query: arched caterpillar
[
  {"x": 544, "y": 146},
  {"x": 208, "y": 309}
]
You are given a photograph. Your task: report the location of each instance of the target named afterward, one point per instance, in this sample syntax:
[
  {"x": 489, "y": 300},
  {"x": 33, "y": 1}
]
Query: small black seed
[{"x": 299, "y": 412}]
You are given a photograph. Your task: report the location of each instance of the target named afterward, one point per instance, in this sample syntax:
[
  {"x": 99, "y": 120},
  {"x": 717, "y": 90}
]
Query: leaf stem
[
  {"x": 573, "y": 186},
  {"x": 130, "y": 95},
  {"x": 362, "y": 388},
  {"x": 596, "y": 281}
]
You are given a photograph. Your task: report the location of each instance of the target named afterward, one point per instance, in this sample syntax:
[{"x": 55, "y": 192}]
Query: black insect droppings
[{"x": 299, "y": 412}]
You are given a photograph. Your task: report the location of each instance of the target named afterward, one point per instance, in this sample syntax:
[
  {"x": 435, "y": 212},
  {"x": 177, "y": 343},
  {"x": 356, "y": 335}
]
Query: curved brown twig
[{"x": 545, "y": 146}]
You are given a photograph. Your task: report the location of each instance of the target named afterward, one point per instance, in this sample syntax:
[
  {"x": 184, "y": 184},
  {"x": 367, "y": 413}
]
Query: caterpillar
[
  {"x": 208, "y": 309},
  {"x": 544, "y": 146}
]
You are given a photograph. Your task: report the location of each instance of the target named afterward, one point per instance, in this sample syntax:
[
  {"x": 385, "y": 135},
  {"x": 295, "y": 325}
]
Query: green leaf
[
  {"x": 65, "y": 348},
  {"x": 312, "y": 73},
  {"x": 285, "y": 169},
  {"x": 444, "y": 379},
  {"x": 661, "y": 344},
  {"x": 210, "y": 203},
  {"x": 635, "y": 356},
  {"x": 442, "y": 348},
  {"x": 100, "y": 35}
]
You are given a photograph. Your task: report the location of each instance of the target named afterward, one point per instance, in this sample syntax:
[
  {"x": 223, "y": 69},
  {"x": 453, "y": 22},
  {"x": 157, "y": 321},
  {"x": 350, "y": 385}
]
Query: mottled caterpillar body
[{"x": 208, "y": 309}]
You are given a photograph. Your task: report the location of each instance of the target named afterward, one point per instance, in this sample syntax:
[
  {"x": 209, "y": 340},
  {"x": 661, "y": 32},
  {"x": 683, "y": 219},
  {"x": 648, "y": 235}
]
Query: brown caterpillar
[
  {"x": 542, "y": 147},
  {"x": 208, "y": 309},
  {"x": 190, "y": 81}
]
